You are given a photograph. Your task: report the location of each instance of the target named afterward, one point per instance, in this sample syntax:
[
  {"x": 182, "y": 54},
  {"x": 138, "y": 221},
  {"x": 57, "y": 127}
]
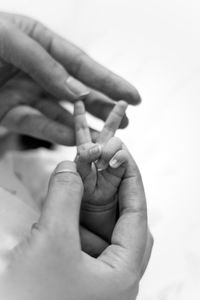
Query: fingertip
[
  {"x": 77, "y": 88},
  {"x": 124, "y": 122},
  {"x": 134, "y": 97},
  {"x": 66, "y": 165},
  {"x": 79, "y": 107},
  {"x": 123, "y": 104},
  {"x": 114, "y": 163},
  {"x": 65, "y": 171}
]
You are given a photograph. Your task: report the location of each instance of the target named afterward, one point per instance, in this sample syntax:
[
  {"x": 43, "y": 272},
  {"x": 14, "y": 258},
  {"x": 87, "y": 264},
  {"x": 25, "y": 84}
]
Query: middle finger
[
  {"x": 113, "y": 121},
  {"x": 82, "y": 131}
]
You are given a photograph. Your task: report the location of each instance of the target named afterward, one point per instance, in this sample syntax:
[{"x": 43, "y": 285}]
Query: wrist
[
  {"x": 99, "y": 208},
  {"x": 100, "y": 219}
]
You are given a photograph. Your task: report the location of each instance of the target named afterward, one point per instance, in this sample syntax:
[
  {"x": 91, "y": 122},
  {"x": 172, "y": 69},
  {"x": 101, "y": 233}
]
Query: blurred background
[{"x": 155, "y": 45}]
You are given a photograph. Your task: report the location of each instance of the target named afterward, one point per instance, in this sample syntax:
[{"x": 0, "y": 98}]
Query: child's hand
[{"x": 101, "y": 178}]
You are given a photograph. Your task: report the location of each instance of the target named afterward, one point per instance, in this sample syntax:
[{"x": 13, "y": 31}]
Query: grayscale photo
[{"x": 99, "y": 150}]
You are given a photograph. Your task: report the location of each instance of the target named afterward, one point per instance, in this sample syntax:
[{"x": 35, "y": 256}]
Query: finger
[
  {"x": 85, "y": 158},
  {"x": 91, "y": 243},
  {"x": 119, "y": 158},
  {"x": 28, "y": 121},
  {"x": 108, "y": 151},
  {"x": 130, "y": 233},
  {"x": 94, "y": 134},
  {"x": 100, "y": 106},
  {"x": 55, "y": 111},
  {"x": 60, "y": 214},
  {"x": 88, "y": 71},
  {"x": 113, "y": 122},
  {"x": 6, "y": 72},
  {"x": 21, "y": 51},
  {"x": 90, "y": 155},
  {"x": 82, "y": 131}
]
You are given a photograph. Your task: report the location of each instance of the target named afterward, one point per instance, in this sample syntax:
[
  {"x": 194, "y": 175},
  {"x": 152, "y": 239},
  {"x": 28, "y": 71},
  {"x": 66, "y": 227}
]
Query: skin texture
[
  {"x": 101, "y": 181},
  {"x": 49, "y": 264},
  {"x": 30, "y": 92},
  {"x": 101, "y": 177}
]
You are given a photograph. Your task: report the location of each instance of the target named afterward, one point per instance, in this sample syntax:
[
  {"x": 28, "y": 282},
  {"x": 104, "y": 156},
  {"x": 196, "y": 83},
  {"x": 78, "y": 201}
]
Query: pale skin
[
  {"x": 37, "y": 68},
  {"x": 102, "y": 166},
  {"x": 50, "y": 265},
  {"x": 101, "y": 179}
]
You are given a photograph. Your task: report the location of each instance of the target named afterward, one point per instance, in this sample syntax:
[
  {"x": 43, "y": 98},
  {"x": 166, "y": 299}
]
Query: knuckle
[
  {"x": 112, "y": 147},
  {"x": 79, "y": 58},
  {"x": 117, "y": 140}
]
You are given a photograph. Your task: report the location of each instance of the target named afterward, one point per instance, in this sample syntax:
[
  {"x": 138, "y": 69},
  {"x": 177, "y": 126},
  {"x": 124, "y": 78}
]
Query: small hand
[{"x": 101, "y": 177}]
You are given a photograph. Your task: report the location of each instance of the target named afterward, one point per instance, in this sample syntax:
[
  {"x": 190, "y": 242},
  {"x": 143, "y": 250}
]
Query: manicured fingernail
[
  {"x": 77, "y": 88},
  {"x": 95, "y": 150},
  {"x": 114, "y": 163},
  {"x": 101, "y": 165}
]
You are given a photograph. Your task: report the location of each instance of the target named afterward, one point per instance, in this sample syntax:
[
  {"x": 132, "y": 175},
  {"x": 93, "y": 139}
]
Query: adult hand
[
  {"x": 26, "y": 108},
  {"x": 59, "y": 67},
  {"x": 50, "y": 263}
]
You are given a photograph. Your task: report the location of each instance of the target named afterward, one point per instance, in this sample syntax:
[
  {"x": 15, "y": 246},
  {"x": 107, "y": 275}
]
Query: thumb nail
[{"x": 77, "y": 88}]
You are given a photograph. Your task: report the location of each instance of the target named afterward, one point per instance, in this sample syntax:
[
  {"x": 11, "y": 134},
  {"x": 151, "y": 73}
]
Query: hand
[
  {"x": 50, "y": 264},
  {"x": 26, "y": 108},
  {"x": 100, "y": 178},
  {"x": 59, "y": 68}
]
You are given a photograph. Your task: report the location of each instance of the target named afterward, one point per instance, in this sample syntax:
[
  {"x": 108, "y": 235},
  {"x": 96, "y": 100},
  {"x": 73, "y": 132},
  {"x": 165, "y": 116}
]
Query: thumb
[{"x": 60, "y": 214}]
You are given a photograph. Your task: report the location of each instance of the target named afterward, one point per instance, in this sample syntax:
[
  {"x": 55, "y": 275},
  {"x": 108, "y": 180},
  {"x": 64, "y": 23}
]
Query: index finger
[
  {"x": 82, "y": 131},
  {"x": 129, "y": 237},
  {"x": 113, "y": 122}
]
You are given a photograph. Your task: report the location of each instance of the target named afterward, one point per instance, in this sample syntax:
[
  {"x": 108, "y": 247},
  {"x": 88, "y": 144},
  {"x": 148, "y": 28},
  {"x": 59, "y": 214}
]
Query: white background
[{"x": 155, "y": 45}]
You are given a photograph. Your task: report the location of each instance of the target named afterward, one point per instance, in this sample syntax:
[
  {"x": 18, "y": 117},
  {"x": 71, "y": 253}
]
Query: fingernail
[
  {"x": 101, "y": 165},
  {"x": 77, "y": 88},
  {"x": 95, "y": 150},
  {"x": 114, "y": 163}
]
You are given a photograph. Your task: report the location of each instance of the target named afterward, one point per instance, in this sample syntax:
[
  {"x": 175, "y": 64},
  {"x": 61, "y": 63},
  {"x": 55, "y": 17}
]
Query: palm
[
  {"x": 104, "y": 187},
  {"x": 100, "y": 187}
]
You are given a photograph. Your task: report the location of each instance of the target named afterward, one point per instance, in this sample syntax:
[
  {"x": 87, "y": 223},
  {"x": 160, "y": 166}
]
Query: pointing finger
[
  {"x": 113, "y": 121},
  {"x": 82, "y": 131}
]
